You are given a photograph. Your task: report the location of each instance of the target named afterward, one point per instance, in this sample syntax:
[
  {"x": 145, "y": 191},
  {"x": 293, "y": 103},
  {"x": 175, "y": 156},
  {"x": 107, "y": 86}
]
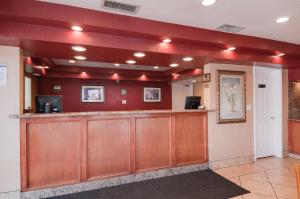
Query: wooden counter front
[
  {"x": 294, "y": 136},
  {"x": 65, "y": 150}
]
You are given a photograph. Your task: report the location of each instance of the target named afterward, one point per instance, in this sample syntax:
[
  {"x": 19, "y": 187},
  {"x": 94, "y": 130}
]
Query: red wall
[
  {"x": 71, "y": 91},
  {"x": 294, "y": 74}
]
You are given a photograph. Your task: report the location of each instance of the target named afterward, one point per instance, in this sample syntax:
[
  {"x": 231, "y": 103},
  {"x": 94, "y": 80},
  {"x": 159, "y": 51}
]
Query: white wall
[
  {"x": 181, "y": 89},
  {"x": 229, "y": 142},
  {"x": 9, "y": 128},
  {"x": 199, "y": 90}
]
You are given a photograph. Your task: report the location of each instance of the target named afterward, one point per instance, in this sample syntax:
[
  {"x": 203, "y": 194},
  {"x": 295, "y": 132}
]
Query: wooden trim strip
[
  {"x": 132, "y": 144},
  {"x": 83, "y": 150},
  {"x": 23, "y": 154}
]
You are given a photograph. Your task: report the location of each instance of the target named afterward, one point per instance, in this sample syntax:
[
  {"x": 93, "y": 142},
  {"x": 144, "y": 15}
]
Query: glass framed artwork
[
  {"x": 231, "y": 95},
  {"x": 92, "y": 94},
  {"x": 152, "y": 94}
]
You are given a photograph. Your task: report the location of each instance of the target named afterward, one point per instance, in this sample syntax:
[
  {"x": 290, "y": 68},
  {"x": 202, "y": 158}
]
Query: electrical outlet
[{"x": 124, "y": 102}]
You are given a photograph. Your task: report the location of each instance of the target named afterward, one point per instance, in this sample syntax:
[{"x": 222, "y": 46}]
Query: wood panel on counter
[
  {"x": 65, "y": 150},
  {"x": 294, "y": 136}
]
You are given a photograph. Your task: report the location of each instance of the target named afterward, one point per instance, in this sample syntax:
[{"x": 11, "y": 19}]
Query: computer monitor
[
  {"x": 192, "y": 102},
  {"x": 54, "y": 103}
]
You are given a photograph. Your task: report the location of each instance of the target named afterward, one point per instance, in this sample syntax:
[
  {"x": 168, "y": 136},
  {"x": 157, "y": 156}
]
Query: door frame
[{"x": 278, "y": 152}]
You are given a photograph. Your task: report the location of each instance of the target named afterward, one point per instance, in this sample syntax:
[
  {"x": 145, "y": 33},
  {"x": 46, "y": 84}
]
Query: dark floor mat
[{"x": 197, "y": 185}]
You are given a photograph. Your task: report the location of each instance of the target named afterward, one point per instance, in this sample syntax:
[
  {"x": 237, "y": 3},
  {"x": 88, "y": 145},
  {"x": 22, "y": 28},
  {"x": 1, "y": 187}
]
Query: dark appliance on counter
[
  {"x": 192, "y": 102},
  {"x": 48, "y": 103}
]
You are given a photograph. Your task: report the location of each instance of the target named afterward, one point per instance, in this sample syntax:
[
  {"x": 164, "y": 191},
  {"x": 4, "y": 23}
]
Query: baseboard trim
[
  {"x": 219, "y": 164},
  {"x": 10, "y": 195},
  {"x": 295, "y": 156}
]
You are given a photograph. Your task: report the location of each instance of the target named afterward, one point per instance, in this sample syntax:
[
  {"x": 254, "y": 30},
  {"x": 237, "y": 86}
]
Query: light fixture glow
[
  {"x": 188, "y": 59},
  {"x": 174, "y": 65},
  {"x": 72, "y": 61},
  {"x": 167, "y": 40},
  {"x": 156, "y": 67},
  {"x": 139, "y": 54},
  {"x": 77, "y": 28},
  {"x": 282, "y": 19},
  {"x": 79, "y": 48},
  {"x": 208, "y": 2},
  {"x": 130, "y": 62},
  {"x": 39, "y": 67},
  {"x": 46, "y": 67},
  {"x": 280, "y": 54},
  {"x": 36, "y": 74},
  {"x": 116, "y": 65},
  {"x": 231, "y": 48},
  {"x": 79, "y": 57}
]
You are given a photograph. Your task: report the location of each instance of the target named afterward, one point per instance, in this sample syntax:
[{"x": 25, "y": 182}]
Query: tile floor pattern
[{"x": 268, "y": 178}]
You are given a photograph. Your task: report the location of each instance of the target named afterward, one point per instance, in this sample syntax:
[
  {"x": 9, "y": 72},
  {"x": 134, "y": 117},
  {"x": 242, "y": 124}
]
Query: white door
[{"x": 268, "y": 105}]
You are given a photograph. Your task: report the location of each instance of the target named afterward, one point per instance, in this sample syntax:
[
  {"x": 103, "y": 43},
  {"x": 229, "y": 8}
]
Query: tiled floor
[{"x": 268, "y": 178}]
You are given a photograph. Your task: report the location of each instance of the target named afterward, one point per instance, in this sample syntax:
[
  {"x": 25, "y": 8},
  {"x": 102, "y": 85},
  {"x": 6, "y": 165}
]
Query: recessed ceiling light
[
  {"x": 79, "y": 57},
  {"x": 208, "y": 2},
  {"x": 282, "y": 19},
  {"x": 167, "y": 40},
  {"x": 116, "y": 65},
  {"x": 139, "y": 54},
  {"x": 280, "y": 54},
  {"x": 156, "y": 67},
  {"x": 79, "y": 48},
  {"x": 187, "y": 59},
  {"x": 77, "y": 28},
  {"x": 130, "y": 62},
  {"x": 46, "y": 67},
  {"x": 174, "y": 65},
  {"x": 39, "y": 67},
  {"x": 231, "y": 48},
  {"x": 72, "y": 61},
  {"x": 116, "y": 74}
]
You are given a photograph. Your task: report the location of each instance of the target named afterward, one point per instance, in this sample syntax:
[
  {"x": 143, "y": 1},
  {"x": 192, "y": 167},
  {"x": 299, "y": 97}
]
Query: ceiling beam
[
  {"x": 40, "y": 38},
  {"x": 37, "y": 12}
]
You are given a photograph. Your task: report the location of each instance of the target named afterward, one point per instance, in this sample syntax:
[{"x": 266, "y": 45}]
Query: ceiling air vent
[
  {"x": 230, "y": 28},
  {"x": 119, "y": 6}
]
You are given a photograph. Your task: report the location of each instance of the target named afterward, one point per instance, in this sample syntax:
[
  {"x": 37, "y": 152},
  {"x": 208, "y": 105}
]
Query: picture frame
[
  {"x": 231, "y": 95},
  {"x": 123, "y": 91},
  {"x": 3, "y": 74},
  {"x": 92, "y": 94},
  {"x": 206, "y": 78},
  {"x": 152, "y": 94}
]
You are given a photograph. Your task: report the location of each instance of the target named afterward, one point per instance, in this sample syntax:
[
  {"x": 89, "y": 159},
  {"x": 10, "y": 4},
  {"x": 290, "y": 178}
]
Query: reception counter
[
  {"x": 294, "y": 136},
  {"x": 66, "y": 148}
]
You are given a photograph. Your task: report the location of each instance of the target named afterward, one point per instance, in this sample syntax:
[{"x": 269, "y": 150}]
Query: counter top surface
[
  {"x": 102, "y": 113},
  {"x": 296, "y": 120}
]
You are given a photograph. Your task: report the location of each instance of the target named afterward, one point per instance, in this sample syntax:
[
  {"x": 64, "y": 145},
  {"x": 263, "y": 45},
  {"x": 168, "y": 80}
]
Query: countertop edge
[
  {"x": 102, "y": 113},
  {"x": 296, "y": 120}
]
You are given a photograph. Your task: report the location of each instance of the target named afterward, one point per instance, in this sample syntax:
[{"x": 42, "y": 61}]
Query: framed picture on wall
[
  {"x": 152, "y": 94},
  {"x": 231, "y": 95},
  {"x": 92, "y": 94}
]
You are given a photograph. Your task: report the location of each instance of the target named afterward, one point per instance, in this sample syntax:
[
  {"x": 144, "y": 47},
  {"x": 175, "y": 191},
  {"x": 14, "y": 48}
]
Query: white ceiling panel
[{"x": 257, "y": 16}]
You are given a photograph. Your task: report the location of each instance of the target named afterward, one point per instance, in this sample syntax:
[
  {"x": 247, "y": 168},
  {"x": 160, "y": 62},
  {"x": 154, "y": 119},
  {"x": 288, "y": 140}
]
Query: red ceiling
[{"x": 114, "y": 38}]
